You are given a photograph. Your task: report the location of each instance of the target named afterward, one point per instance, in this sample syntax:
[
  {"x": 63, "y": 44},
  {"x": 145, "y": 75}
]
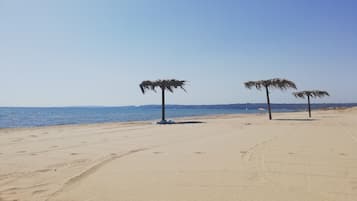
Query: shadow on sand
[
  {"x": 181, "y": 122},
  {"x": 190, "y": 122},
  {"x": 296, "y": 119}
]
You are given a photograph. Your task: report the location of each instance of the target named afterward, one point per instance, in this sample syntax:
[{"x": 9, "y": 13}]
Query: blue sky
[{"x": 65, "y": 53}]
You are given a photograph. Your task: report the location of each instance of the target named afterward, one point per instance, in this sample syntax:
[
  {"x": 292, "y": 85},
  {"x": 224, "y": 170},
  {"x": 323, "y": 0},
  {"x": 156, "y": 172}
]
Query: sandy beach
[{"x": 233, "y": 157}]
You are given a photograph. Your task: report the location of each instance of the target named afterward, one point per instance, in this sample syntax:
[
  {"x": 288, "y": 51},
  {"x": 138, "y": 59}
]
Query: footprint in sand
[
  {"x": 73, "y": 154},
  {"x": 43, "y": 170},
  {"x": 354, "y": 185},
  {"x": 243, "y": 153},
  {"x": 157, "y": 152},
  {"x": 38, "y": 191},
  {"x": 11, "y": 193},
  {"x": 291, "y": 153},
  {"x": 342, "y": 154},
  {"x": 21, "y": 152},
  {"x": 17, "y": 140}
]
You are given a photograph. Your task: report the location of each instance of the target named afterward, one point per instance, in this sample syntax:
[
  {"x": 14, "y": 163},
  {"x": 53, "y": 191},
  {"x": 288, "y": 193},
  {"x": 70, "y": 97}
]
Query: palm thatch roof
[
  {"x": 272, "y": 83},
  {"x": 312, "y": 93},
  {"x": 169, "y": 85}
]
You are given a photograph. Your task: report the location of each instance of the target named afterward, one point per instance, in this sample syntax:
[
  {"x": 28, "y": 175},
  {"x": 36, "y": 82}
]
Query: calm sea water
[{"x": 33, "y": 117}]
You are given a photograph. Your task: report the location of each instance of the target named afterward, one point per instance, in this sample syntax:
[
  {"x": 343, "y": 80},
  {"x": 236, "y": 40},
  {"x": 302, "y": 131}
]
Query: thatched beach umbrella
[
  {"x": 282, "y": 84},
  {"x": 164, "y": 85},
  {"x": 311, "y": 94}
]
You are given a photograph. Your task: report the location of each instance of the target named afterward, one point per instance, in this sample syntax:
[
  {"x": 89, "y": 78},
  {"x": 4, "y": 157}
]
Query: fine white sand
[{"x": 226, "y": 158}]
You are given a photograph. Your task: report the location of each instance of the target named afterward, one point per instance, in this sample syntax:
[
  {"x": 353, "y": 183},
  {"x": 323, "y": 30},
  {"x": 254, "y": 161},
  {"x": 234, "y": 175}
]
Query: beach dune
[{"x": 228, "y": 157}]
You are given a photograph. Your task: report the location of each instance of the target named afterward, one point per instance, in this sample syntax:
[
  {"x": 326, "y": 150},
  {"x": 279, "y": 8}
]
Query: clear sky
[{"x": 83, "y": 52}]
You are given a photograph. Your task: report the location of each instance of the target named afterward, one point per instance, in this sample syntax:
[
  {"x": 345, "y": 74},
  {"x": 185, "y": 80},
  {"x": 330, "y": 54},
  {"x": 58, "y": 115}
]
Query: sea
[{"x": 20, "y": 117}]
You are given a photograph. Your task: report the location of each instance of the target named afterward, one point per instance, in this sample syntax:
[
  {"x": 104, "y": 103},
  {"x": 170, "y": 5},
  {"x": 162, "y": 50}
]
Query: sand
[{"x": 226, "y": 158}]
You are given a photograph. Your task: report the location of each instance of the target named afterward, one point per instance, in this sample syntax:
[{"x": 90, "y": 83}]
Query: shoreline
[{"x": 183, "y": 118}]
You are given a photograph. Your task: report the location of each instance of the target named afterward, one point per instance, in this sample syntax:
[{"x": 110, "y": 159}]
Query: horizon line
[{"x": 219, "y": 104}]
